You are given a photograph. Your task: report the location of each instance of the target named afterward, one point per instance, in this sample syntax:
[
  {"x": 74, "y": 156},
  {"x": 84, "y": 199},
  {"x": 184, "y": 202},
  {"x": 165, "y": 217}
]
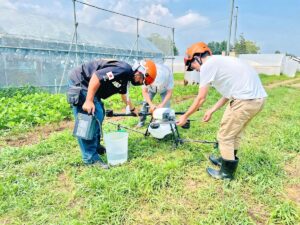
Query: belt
[{"x": 252, "y": 99}]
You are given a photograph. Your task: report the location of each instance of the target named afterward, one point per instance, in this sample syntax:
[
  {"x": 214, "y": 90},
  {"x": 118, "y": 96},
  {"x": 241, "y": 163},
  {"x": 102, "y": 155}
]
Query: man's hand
[
  {"x": 160, "y": 105},
  {"x": 152, "y": 108},
  {"x": 89, "y": 107},
  {"x": 207, "y": 115},
  {"x": 182, "y": 120},
  {"x": 134, "y": 111}
]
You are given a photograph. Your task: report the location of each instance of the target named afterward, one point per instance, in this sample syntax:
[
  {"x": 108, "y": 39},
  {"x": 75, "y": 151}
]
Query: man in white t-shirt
[
  {"x": 163, "y": 85},
  {"x": 239, "y": 84}
]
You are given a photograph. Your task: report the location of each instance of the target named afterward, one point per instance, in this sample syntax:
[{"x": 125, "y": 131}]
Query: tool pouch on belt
[{"x": 73, "y": 95}]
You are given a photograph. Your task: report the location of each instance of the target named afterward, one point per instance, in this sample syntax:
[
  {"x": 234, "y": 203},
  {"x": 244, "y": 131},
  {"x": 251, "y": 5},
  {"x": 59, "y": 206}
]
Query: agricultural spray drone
[{"x": 162, "y": 124}]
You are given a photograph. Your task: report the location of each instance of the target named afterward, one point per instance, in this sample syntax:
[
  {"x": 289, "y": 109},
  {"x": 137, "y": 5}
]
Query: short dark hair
[{"x": 203, "y": 55}]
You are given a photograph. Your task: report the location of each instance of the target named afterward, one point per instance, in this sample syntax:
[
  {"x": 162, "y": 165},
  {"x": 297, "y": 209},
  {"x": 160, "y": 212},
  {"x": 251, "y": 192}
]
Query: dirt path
[
  {"x": 36, "y": 135},
  {"x": 293, "y": 83},
  {"x": 292, "y": 169},
  {"x": 297, "y": 85}
]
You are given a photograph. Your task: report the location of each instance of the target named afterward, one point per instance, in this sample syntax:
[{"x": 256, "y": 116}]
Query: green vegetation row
[
  {"x": 32, "y": 109},
  {"x": 13, "y": 91}
]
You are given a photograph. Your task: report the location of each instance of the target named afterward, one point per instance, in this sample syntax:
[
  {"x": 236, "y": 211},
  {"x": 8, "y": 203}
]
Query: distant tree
[
  {"x": 217, "y": 47},
  {"x": 175, "y": 49},
  {"x": 289, "y": 54},
  {"x": 277, "y": 52},
  {"x": 244, "y": 46},
  {"x": 163, "y": 44}
]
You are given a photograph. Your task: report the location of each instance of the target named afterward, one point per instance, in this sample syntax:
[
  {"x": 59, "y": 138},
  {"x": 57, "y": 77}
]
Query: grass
[
  {"x": 267, "y": 79},
  {"x": 46, "y": 183}
]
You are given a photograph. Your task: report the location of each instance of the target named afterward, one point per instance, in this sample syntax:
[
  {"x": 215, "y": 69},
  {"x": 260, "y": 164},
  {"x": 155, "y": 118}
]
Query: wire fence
[{"x": 39, "y": 51}]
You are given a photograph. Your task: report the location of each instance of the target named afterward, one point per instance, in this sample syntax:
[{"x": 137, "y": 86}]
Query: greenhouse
[
  {"x": 272, "y": 64},
  {"x": 37, "y": 51}
]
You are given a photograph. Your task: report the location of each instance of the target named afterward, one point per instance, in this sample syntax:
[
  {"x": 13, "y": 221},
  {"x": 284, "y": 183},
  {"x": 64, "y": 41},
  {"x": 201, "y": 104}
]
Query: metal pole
[
  {"x": 235, "y": 27},
  {"x": 173, "y": 48},
  {"x": 41, "y": 71},
  {"x": 55, "y": 86},
  {"x": 229, "y": 32},
  {"x": 66, "y": 63},
  {"x": 137, "y": 37},
  {"x": 5, "y": 74},
  {"x": 75, "y": 25}
]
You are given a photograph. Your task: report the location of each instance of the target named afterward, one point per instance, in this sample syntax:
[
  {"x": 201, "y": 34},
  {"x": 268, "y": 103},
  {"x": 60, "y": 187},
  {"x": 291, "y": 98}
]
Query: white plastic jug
[{"x": 116, "y": 144}]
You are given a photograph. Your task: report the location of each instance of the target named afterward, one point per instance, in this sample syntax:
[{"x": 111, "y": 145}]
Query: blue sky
[{"x": 272, "y": 24}]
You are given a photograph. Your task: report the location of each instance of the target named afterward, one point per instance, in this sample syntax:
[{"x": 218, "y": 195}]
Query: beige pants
[{"x": 235, "y": 119}]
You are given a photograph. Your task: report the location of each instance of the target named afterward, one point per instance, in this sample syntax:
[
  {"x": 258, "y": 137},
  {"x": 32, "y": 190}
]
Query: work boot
[
  {"x": 228, "y": 168},
  {"x": 101, "y": 164},
  {"x": 101, "y": 150},
  {"x": 217, "y": 160},
  {"x": 140, "y": 124},
  {"x": 142, "y": 121}
]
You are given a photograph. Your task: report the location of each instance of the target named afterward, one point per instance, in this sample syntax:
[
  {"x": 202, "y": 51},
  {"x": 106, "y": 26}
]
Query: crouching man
[
  {"x": 239, "y": 84},
  {"x": 163, "y": 85},
  {"x": 100, "y": 79}
]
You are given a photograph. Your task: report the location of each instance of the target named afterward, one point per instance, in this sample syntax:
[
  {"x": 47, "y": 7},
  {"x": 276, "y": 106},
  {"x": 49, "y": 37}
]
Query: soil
[
  {"x": 36, "y": 135},
  {"x": 292, "y": 83},
  {"x": 293, "y": 171}
]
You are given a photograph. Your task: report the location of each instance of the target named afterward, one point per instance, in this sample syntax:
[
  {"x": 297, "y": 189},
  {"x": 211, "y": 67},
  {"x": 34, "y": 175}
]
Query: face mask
[{"x": 133, "y": 82}]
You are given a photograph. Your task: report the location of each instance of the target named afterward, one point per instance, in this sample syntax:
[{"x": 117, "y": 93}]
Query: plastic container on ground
[{"x": 116, "y": 144}]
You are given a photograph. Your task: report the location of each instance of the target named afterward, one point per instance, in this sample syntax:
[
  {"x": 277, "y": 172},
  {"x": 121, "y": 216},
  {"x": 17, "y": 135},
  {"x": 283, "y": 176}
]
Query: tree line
[{"x": 242, "y": 46}]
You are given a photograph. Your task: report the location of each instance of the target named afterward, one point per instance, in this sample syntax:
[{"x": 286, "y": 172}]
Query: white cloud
[
  {"x": 155, "y": 13},
  {"x": 191, "y": 18},
  {"x": 54, "y": 9},
  {"x": 151, "y": 10},
  {"x": 7, "y": 4}
]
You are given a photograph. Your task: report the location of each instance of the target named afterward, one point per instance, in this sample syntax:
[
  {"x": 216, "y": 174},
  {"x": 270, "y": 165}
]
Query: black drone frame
[{"x": 174, "y": 128}]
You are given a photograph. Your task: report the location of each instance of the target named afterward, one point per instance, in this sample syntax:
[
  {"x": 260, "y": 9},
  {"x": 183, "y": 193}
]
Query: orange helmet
[
  {"x": 147, "y": 68},
  {"x": 199, "y": 47}
]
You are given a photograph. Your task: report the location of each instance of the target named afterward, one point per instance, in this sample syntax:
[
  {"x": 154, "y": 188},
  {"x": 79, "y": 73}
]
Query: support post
[
  {"x": 229, "y": 30},
  {"x": 137, "y": 37},
  {"x": 75, "y": 27},
  {"x": 235, "y": 27},
  {"x": 173, "y": 49}
]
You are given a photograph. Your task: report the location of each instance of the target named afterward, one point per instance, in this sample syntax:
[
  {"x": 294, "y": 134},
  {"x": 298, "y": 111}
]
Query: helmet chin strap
[{"x": 199, "y": 61}]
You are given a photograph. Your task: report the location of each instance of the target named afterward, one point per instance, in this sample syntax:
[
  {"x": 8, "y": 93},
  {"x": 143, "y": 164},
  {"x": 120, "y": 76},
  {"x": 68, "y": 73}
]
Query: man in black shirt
[{"x": 101, "y": 79}]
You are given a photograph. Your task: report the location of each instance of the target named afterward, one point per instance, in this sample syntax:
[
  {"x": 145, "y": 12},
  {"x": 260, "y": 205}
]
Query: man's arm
[
  {"x": 167, "y": 98},
  {"x": 199, "y": 100},
  {"x": 127, "y": 102},
  {"x": 93, "y": 87},
  {"x": 207, "y": 116},
  {"x": 222, "y": 101},
  {"x": 146, "y": 96}
]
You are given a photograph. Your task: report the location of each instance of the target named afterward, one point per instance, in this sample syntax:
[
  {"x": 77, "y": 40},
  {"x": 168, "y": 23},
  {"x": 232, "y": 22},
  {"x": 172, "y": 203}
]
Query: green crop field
[{"x": 44, "y": 181}]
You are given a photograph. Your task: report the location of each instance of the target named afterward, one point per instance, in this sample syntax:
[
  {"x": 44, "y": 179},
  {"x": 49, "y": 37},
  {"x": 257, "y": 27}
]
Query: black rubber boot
[
  {"x": 101, "y": 150},
  {"x": 228, "y": 168},
  {"x": 217, "y": 160}
]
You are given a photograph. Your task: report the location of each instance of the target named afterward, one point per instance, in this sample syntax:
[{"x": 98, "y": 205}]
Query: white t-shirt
[
  {"x": 164, "y": 80},
  {"x": 232, "y": 77}
]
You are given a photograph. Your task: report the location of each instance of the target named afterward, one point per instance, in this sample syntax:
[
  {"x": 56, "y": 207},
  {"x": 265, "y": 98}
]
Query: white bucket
[{"x": 116, "y": 144}]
